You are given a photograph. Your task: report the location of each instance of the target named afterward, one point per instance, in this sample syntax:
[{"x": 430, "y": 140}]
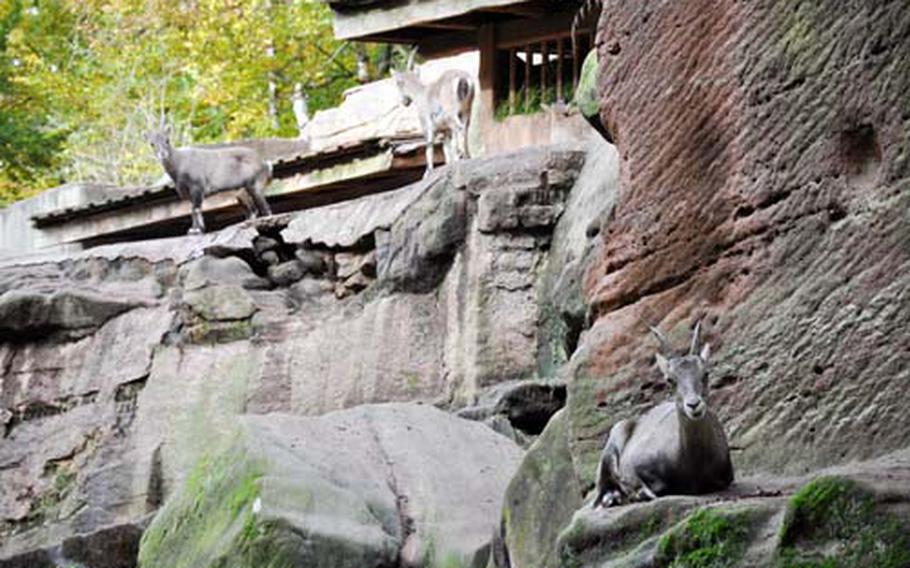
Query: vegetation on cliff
[{"x": 79, "y": 79}]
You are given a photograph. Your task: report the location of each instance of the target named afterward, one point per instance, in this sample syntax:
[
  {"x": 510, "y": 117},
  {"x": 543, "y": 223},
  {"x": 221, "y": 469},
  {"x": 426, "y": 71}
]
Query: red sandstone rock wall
[{"x": 765, "y": 187}]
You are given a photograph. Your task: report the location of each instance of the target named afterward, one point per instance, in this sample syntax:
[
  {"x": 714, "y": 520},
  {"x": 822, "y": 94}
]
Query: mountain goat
[
  {"x": 198, "y": 172},
  {"x": 444, "y": 106},
  {"x": 677, "y": 447}
]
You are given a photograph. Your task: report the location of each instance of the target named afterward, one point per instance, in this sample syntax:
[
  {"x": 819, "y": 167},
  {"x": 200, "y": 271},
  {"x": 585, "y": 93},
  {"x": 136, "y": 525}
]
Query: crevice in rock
[
  {"x": 154, "y": 495},
  {"x": 407, "y": 553},
  {"x": 860, "y": 155},
  {"x": 126, "y": 399},
  {"x": 38, "y": 409},
  {"x": 499, "y": 548},
  {"x": 575, "y": 326}
]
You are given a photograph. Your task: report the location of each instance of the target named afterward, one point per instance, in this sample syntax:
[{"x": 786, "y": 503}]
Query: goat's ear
[
  {"x": 705, "y": 352},
  {"x": 663, "y": 364}
]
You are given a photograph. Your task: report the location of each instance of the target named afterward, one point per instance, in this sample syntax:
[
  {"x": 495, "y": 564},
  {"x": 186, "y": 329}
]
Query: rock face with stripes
[
  {"x": 765, "y": 152},
  {"x": 764, "y": 190}
]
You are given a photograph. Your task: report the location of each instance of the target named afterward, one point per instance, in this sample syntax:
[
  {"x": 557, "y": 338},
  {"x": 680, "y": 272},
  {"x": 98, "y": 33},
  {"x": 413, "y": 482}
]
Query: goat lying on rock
[
  {"x": 198, "y": 172},
  {"x": 678, "y": 447}
]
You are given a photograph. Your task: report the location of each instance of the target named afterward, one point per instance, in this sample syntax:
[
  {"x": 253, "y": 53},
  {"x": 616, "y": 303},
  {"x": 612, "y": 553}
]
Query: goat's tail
[
  {"x": 465, "y": 89},
  {"x": 584, "y": 12}
]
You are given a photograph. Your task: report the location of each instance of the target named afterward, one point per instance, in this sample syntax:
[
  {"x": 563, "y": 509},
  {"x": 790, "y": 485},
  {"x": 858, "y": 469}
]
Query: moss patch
[
  {"x": 833, "y": 522},
  {"x": 586, "y": 95},
  {"x": 211, "y": 517},
  {"x": 705, "y": 539}
]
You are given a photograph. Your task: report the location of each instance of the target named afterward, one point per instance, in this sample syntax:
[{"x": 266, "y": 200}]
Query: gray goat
[
  {"x": 677, "y": 447},
  {"x": 444, "y": 106},
  {"x": 198, "y": 172}
]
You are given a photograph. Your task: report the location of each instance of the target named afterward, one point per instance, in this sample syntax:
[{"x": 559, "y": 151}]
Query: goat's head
[
  {"x": 160, "y": 141},
  {"x": 405, "y": 81},
  {"x": 687, "y": 374}
]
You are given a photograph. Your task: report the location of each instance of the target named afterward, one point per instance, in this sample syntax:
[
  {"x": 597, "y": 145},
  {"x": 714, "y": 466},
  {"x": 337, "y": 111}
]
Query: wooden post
[
  {"x": 574, "y": 67},
  {"x": 544, "y": 68},
  {"x": 559, "y": 55},
  {"x": 487, "y": 43},
  {"x": 528, "y": 56},
  {"x": 512, "y": 72}
]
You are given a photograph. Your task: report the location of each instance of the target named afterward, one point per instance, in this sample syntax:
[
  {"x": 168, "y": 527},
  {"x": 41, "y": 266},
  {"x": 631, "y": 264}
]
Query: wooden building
[{"x": 528, "y": 66}]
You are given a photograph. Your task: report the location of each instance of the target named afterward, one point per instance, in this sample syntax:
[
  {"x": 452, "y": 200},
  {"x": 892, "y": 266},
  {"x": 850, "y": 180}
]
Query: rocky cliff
[
  {"x": 764, "y": 190},
  {"x": 127, "y": 368}
]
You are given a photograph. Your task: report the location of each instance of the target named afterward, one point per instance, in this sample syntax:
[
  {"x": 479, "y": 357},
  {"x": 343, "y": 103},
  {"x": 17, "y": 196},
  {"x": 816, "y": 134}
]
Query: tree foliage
[{"x": 81, "y": 81}]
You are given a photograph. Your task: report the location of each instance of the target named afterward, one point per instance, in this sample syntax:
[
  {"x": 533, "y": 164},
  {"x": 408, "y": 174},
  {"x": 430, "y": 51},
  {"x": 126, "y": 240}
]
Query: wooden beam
[
  {"x": 529, "y": 55},
  {"x": 518, "y": 33},
  {"x": 544, "y": 68},
  {"x": 359, "y": 22},
  {"x": 524, "y": 9},
  {"x": 446, "y": 44},
  {"x": 486, "y": 40},
  {"x": 463, "y": 23},
  {"x": 559, "y": 57},
  {"x": 513, "y": 68}
]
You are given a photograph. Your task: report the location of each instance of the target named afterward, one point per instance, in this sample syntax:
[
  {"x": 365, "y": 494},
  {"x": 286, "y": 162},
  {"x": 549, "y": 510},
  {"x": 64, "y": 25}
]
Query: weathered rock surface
[
  {"x": 764, "y": 190},
  {"x": 375, "y": 486},
  {"x": 412, "y": 302},
  {"x": 539, "y": 501}
]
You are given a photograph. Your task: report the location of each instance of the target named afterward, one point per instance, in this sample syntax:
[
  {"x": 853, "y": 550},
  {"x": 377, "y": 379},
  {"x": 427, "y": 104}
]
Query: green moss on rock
[
  {"x": 541, "y": 498},
  {"x": 834, "y": 522},
  {"x": 215, "y": 506},
  {"x": 586, "y": 95},
  {"x": 705, "y": 539}
]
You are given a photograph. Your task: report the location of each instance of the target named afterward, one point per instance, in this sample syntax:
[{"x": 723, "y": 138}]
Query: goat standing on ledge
[
  {"x": 198, "y": 172},
  {"x": 677, "y": 447},
  {"x": 443, "y": 106}
]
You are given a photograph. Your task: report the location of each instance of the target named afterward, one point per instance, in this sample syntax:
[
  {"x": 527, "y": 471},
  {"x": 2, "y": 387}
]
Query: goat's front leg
[
  {"x": 198, "y": 227},
  {"x": 247, "y": 202},
  {"x": 447, "y": 148},
  {"x": 257, "y": 193},
  {"x": 429, "y": 151},
  {"x": 460, "y": 136},
  {"x": 610, "y": 489}
]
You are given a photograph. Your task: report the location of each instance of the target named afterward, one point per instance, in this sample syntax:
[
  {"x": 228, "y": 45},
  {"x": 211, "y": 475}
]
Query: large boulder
[
  {"x": 376, "y": 486},
  {"x": 539, "y": 501}
]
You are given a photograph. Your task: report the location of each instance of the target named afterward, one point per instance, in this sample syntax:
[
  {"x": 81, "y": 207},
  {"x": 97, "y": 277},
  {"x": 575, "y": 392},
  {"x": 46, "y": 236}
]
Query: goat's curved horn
[
  {"x": 665, "y": 346},
  {"x": 410, "y": 65},
  {"x": 693, "y": 348}
]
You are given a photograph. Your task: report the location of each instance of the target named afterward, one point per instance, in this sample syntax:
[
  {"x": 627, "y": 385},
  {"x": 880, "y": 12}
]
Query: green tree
[
  {"x": 101, "y": 72},
  {"x": 29, "y": 144}
]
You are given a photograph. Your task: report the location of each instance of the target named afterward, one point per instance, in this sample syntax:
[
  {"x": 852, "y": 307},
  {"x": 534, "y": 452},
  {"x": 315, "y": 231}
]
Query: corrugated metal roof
[{"x": 283, "y": 167}]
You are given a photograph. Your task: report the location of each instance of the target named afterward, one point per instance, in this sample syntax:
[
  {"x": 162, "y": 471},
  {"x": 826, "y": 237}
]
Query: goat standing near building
[
  {"x": 677, "y": 447},
  {"x": 444, "y": 106},
  {"x": 198, "y": 172}
]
